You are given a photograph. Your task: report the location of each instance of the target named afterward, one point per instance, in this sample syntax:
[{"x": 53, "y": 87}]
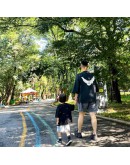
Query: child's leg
[
  {"x": 67, "y": 127},
  {"x": 68, "y": 135},
  {"x": 59, "y": 134}
]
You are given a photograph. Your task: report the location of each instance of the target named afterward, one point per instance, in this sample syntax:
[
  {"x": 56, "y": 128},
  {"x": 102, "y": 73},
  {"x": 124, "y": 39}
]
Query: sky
[{"x": 42, "y": 43}]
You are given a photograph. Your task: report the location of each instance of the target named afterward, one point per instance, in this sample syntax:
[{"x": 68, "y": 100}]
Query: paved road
[{"x": 33, "y": 125}]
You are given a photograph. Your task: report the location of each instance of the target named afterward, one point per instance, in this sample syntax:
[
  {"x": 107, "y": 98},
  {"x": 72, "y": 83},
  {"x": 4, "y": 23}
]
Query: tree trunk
[
  {"x": 115, "y": 92},
  {"x": 9, "y": 95},
  {"x": 12, "y": 97}
]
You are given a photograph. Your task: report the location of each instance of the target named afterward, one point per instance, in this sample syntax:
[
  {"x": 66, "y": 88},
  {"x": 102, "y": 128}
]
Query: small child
[{"x": 63, "y": 118}]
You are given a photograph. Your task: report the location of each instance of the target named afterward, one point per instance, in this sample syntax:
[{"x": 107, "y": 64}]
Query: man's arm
[
  {"x": 76, "y": 89},
  {"x": 76, "y": 98}
]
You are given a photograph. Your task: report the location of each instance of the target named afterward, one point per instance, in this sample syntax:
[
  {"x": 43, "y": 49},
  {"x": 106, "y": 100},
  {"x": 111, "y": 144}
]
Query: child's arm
[
  {"x": 57, "y": 115},
  {"x": 57, "y": 121}
]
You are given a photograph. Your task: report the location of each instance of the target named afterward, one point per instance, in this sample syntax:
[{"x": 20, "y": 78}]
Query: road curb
[{"x": 115, "y": 120}]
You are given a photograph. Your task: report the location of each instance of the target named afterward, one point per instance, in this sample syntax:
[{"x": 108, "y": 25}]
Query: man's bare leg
[
  {"x": 80, "y": 121},
  {"x": 94, "y": 122}
]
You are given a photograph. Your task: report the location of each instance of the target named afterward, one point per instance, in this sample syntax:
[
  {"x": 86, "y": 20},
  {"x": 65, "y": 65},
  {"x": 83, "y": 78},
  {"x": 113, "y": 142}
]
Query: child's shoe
[{"x": 69, "y": 142}]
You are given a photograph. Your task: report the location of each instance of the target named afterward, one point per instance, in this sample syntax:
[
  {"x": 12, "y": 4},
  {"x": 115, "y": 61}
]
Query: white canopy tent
[
  {"x": 28, "y": 94},
  {"x": 29, "y": 91}
]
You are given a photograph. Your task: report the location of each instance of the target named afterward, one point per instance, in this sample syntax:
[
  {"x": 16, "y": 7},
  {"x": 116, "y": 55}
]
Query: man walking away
[{"x": 85, "y": 89}]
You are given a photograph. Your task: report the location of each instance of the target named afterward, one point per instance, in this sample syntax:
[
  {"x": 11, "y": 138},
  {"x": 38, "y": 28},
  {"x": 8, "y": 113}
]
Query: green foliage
[
  {"x": 126, "y": 98},
  {"x": 18, "y": 51},
  {"x": 104, "y": 42},
  {"x": 101, "y": 41}
]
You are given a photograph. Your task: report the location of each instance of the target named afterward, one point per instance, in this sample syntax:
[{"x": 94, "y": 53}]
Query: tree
[
  {"x": 100, "y": 38},
  {"x": 17, "y": 51}
]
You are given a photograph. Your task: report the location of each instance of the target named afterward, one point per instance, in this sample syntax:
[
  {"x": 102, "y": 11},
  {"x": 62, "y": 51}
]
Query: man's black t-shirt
[
  {"x": 63, "y": 112},
  {"x": 86, "y": 87}
]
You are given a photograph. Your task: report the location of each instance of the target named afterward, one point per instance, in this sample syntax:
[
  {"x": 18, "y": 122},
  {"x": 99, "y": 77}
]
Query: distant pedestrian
[
  {"x": 85, "y": 88},
  {"x": 63, "y": 117}
]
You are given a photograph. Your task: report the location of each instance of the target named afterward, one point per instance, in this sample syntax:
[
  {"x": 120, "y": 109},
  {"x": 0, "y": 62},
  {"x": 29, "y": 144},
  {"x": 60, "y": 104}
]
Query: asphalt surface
[{"x": 33, "y": 125}]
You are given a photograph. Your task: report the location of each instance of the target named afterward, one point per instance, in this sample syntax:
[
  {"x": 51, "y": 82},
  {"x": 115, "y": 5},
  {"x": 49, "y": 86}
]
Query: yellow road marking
[{"x": 22, "y": 142}]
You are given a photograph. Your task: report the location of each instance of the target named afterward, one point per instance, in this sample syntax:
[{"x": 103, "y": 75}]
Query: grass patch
[
  {"x": 125, "y": 98},
  {"x": 115, "y": 107},
  {"x": 118, "y": 115},
  {"x": 69, "y": 102},
  {"x": 125, "y": 93},
  {"x": 56, "y": 103},
  {"x": 119, "y": 111}
]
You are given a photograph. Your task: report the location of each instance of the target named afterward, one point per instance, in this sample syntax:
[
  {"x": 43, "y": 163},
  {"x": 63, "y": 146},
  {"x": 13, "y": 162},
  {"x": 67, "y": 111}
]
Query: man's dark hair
[
  {"x": 62, "y": 98},
  {"x": 84, "y": 63}
]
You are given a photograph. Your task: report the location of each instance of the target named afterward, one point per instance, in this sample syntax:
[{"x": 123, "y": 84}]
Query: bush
[{"x": 12, "y": 102}]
